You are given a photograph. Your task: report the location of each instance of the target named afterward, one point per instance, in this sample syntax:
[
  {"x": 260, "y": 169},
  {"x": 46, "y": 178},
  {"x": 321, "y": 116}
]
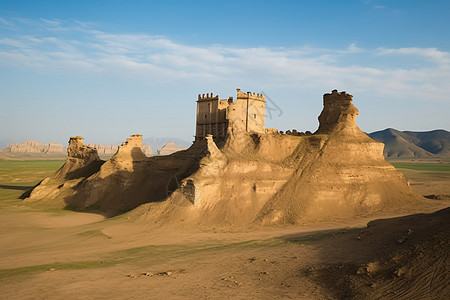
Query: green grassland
[
  {"x": 422, "y": 166},
  {"x": 17, "y": 177}
]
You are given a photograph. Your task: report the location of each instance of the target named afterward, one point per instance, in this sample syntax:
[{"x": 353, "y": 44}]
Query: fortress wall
[{"x": 256, "y": 116}]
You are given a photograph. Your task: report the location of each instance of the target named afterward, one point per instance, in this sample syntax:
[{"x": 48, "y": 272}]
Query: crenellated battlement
[
  {"x": 207, "y": 97},
  {"x": 250, "y": 96}
]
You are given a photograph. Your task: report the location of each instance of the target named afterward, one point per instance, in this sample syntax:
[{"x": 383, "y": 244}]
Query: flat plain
[{"x": 54, "y": 254}]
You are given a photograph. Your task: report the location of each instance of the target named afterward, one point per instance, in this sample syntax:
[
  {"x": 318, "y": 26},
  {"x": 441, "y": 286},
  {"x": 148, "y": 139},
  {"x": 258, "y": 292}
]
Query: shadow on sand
[{"x": 16, "y": 187}]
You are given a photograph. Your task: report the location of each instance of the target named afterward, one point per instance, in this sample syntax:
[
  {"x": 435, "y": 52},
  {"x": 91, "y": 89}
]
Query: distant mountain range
[
  {"x": 398, "y": 144},
  {"x": 411, "y": 144}
]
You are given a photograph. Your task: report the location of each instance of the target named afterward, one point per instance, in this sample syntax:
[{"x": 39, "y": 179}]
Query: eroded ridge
[{"x": 237, "y": 172}]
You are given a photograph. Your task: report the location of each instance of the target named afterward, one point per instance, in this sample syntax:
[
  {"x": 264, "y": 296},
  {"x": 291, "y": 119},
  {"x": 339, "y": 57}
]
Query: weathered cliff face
[
  {"x": 338, "y": 113},
  {"x": 129, "y": 178},
  {"x": 253, "y": 178},
  {"x": 82, "y": 161},
  {"x": 284, "y": 179},
  {"x": 32, "y": 148}
]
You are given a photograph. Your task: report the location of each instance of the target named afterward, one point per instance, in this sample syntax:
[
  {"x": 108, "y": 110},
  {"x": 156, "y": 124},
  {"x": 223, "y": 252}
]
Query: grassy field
[
  {"x": 422, "y": 166},
  {"x": 18, "y": 176}
]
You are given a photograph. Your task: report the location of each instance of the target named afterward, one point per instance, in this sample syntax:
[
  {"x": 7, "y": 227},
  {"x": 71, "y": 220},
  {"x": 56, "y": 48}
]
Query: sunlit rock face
[
  {"x": 338, "y": 113},
  {"x": 252, "y": 177}
]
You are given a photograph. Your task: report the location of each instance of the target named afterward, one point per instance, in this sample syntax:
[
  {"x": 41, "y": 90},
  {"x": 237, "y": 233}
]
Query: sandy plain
[{"x": 55, "y": 254}]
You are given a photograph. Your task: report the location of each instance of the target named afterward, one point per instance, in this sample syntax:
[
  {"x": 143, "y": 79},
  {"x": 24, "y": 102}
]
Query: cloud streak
[{"x": 62, "y": 47}]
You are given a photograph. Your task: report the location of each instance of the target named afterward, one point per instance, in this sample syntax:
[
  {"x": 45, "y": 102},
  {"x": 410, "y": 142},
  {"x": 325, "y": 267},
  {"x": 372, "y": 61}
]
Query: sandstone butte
[{"x": 244, "y": 175}]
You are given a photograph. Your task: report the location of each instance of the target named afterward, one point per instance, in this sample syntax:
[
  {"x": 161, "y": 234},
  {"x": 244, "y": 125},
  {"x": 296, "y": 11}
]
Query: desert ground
[{"x": 63, "y": 254}]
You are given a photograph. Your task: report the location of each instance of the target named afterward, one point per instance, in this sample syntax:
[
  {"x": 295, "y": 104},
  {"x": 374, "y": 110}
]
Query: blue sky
[{"x": 108, "y": 69}]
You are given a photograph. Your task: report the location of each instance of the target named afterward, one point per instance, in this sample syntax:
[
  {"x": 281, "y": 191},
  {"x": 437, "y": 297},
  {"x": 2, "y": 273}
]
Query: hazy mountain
[{"x": 404, "y": 144}]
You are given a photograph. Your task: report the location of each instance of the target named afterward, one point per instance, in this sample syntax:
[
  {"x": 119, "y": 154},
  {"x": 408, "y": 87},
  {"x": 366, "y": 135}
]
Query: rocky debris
[
  {"x": 438, "y": 197},
  {"x": 169, "y": 148},
  {"x": 231, "y": 279},
  {"x": 150, "y": 274},
  {"x": 165, "y": 273}
]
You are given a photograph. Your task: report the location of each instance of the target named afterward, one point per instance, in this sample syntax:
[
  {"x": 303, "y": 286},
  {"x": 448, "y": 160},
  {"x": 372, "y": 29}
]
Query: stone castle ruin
[
  {"x": 236, "y": 173},
  {"x": 215, "y": 116}
]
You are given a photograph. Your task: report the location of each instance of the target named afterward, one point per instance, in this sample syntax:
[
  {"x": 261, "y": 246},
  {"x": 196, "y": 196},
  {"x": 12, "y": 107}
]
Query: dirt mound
[{"x": 400, "y": 258}]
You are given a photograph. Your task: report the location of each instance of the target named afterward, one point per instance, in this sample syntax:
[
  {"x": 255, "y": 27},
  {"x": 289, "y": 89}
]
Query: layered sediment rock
[
  {"x": 252, "y": 178},
  {"x": 82, "y": 161},
  {"x": 35, "y": 148}
]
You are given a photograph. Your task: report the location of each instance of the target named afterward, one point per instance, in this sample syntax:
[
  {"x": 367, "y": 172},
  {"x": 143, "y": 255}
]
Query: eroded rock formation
[
  {"x": 35, "y": 148},
  {"x": 251, "y": 178}
]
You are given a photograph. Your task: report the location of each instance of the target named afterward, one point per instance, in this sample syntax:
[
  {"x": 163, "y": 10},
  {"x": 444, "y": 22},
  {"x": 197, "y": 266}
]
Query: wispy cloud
[
  {"x": 432, "y": 54},
  {"x": 63, "y": 47}
]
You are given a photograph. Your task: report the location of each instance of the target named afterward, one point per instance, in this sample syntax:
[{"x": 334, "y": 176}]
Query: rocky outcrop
[
  {"x": 129, "y": 178},
  {"x": 338, "y": 113},
  {"x": 82, "y": 161},
  {"x": 252, "y": 178}
]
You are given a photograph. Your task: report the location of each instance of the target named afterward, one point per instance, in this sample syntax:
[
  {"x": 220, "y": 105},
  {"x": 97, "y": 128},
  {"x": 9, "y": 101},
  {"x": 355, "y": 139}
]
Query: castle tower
[
  {"x": 251, "y": 113},
  {"x": 215, "y": 115},
  {"x": 211, "y": 116}
]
